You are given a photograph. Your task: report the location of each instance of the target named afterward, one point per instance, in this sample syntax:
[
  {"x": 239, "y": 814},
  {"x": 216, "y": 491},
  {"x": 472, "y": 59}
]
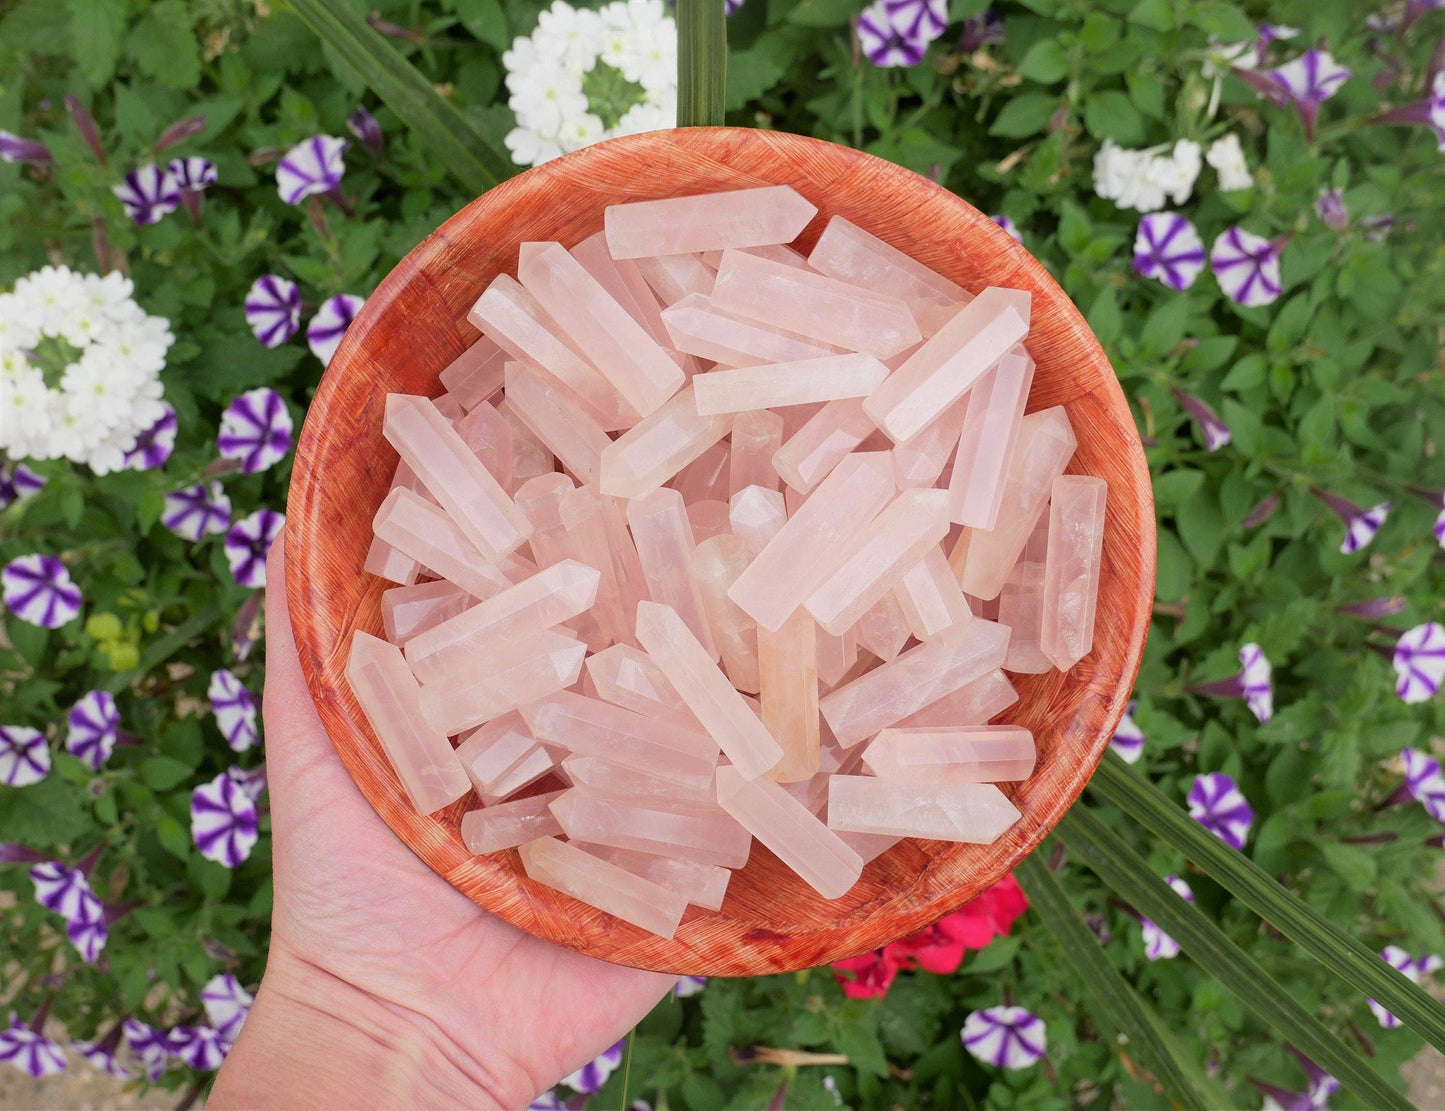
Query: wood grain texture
[{"x": 414, "y": 324}]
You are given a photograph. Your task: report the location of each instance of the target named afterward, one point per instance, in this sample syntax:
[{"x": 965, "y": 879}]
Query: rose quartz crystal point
[
  {"x": 530, "y": 457},
  {"x": 605, "y": 777},
  {"x": 883, "y": 629},
  {"x": 628, "y": 678},
  {"x": 813, "y": 306},
  {"x": 1071, "y": 574},
  {"x": 986, "y": 444},
  {"x": 501, "y": 678},
  {"x": 475, "y": 375},
  {"x": 589, "y": 539},
  {"x": 660, "y": 445},
  {"x": 977, "y": 813},
  {"x": 706, "y": 476},
  {"x": 509, "y": 824},
  {"x": 710, "y": 222},
  {"x": 794, "y": 835},
  {"x": 716, "y": 566},
  {"x": 1045, "y": 445},
  {"x": 1021, "y": 608},
  {"x": 409, "y": 610},
  {"x": 543, "y": 404},
  {"x": 816, "y": 448},
  {"x": 421, "y": 530},
  {"x": 385, "y": 562},
  {"x": 972, "y": 704},
  {"x": 836, "y": 655},
  {"x": 830, "y": 378},
  {"x": 931, "y": 600},
  {"x": 814, "y": 540},
  {"x": 713, "y": 700},
  {"x": 847, "y": 252},
  {"x": 388, "y": 694},
  {"x": 624, "y": 284},
  {"x": 449, "y": 407},
  {"x": 939, "y": 372},
  {"x": 757, "y": 435},
  {"x": 702, "y": 885},
  {"x": 654, "y": 826},
  {"x": 566, "y": 868},
  {"x": 666, "y": 548},
  {"x": 756, "y": 513},
  {"x": 920, "y": 460},
  {"x": 674, "y": 278},
  {"x": 489, "y": 752},
  {"x": 965, "y": 754},
  {"x": 921, "y": 675},
  {"x": 788, "y": 675},
  {"x": 527, "y": 771},
  {"x": 697, "y": 326},
  {"x": 489, "y": 435},
  {"x": 709, "y": 519}
]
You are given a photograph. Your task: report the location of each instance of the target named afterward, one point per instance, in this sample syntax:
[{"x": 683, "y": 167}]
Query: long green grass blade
[
  {"x": 1110, "y": 998},
  {"x": 1346, "y": 956},
  {"x": 1132, "y": 879},
  {"x": 467, "y": 153},
  {"x": 702, "y": 62}
]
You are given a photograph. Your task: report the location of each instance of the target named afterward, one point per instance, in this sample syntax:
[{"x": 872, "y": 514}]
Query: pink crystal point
[
  {"x": 813, "y": 306},
  {"x": 616, "y": 344},
  {"x": 756, "y": 513},
  {"x": 836, "y": 655},
  {"x": 705, "y": 477},
  {"x": 528, "y": 771},
  {"x": 475, "y": 375},
  {"x": 409, "y": 610},
  {"x": 491, "y": 751},
  {"x": 709, "y": 518},
  {"x": 919, "y": 461},
  {"x": 431, "y": 447},
  {"x": 697, "y": 326},
  {"x": 830, "y": 378},
  {"x": 1045, "y": 445},
  {"x": 883, "y": 629},
  {"x": 390, "y": 699},
  {"x": 627, "y": 677},
  {"x": 674, "y": 278},
  {"x": 788, "y": 674},
  {"x": 666, "y": 548},
  {"x": 604, "y": 777},
  {"x": 509, "y": 824},
  {"x": 794, "y": 835},
  {"x": 711, "y": 222},
  {"x": 702, "y": 885},
  {"x": 624, "y": 284},
  {"x": 1071, "y": 575},
  {"x": 931, "y": 599},
  {"x": 816, "y": 448},
  {"x": 540, "y": 500},
  {"x": 584, "y": 515},
  {"x": 963, "y": 754},
  {"x": 847, "y": 252},
  {"x": 986, "y": 446},
  {"x": 654, "y": 826},
  {"x": 814, "y": 540},
  {"x": 530, "y": 457},
  {"x": 713, "y": 700},
  {"x": 543, "y": 405},
  {"x": 716, "y": 566},
  {"x": 977, "y": 813},
  {"x": 1021, "y": 608},
  {"x": 568, "y": 869},
  {"x": 489, "y": 435},
  {"x": 757, "y": 436},
  {"x": 501, "y": 678},
  {"x": 921, "y": 675},
  {"x": 939, "y": 372},
  {"x": 385, "y": 562},
  {"x": 659, "y": 446},
  {"x": 420, "y": 529},
  {"x": 972, "y": 704}
]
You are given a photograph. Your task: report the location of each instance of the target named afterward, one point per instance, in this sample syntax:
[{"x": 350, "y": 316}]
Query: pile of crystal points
[{"x": 707, "y": 541}]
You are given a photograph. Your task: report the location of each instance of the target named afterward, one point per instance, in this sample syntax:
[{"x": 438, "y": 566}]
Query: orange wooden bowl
[{"x": 415, "y": 324}]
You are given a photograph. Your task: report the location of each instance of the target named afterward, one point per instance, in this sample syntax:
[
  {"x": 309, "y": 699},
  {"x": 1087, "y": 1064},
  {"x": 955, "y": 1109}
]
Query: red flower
[{"x": 872, "y": 974}]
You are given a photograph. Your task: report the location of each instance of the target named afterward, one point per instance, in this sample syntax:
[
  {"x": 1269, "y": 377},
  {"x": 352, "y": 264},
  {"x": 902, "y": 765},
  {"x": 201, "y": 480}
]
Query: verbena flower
[
  {"x": 88, "y": 930},
  {"x": 1168, "y": 249},
  {"x": 29, "y": 1050},
  {"x": 689, "y": 985},
  {"x": 153, "y": 446},
  {"x": 196, "y": 510},
  {"x": 255, "y": 429},
  {"x": 227, "y": 1004},
  {"x": 1246, "y": 266},
  {"x": 1216, "y": 803},
  {"x": 63, "y": 890},
  {"x": 1424, "y": 782},
  {"x": 1216, "y": 433},
  {"x": 1159, "y": 946},
  {"x": 38, "y": 590},
  {"x": 93, "y": 726},
  {"x": 1128, "y": 740},
  {"x": 1227, "y": 158},
  {"x": 148, "y": 193},
  {"x": 18, "y": 482},
  {"x": 1306, "y": 83},
  {"x": 1008, "y": 226},
  {"x": 1413, "y": 969},
  {"x": 235, "y": 710},
  {"x": 363, "y": 125},
  {"x": 24, "y": 756},
  {"x": 1143, "y": 179},
  {"x": 312, "y": 166},
  {"x": 1330, "y": 208},
  {"x": 323, "y": 334},
  {"x": 198, "y": 1046},
  {"x": 595, "y": 1072},
  {"x": 251, "y": 781},
  {"x": 224, "y": 823},
  {"x": 194, "y": 174},
  {"x": 1008, "y": 1037},
  {"x": 151, "y": 1047},
  {"x": 247, "y": 543},
  {"x": 15, "y": 149},
  {"x": 1420, "y": 662},
  {"x": 273, "y": 309}
]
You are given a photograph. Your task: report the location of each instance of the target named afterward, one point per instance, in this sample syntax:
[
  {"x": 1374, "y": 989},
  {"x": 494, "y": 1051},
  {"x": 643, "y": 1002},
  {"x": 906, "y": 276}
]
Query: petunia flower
[
  {"x": 255, "y": 429},
  {"x": 1216, "y": 432},
  {"x": 198, "y": 1046},
  {"x": 151, "y": 1046},
  {"x": 251, "y": 781},
  {"x": 885, "y": 43},
  {"x": 24, "y": 756},
  {"x": 1216, "y": 803},
  {"x": 1429, "y": 112},
  {"x": 1008, "y": 226},
  {"x": 920, "y": 19},
  {"x": 248, "y": 542},
  {"x": 1267, "y": 33},
  {"x": 29, "y": 1050},
  {"x": 1424, "y": 782},
  {"x": 1439, "y": 529},
  {"x": 1159, "y": 946},
  {"x": 1168, "y": 249},
  {"x": 196, "y": 510},
  {"x": 38, "y": 590},
  {"x": 235, "y": 710},
  {"x": 15, "y": 149},
  {"x": 689, "y": 985},
  {"x": 982, "y": 30},
  {"x": 940, "y": 948},
  {"x": 153, "y": 446},
  {"x": 1413, "y": 969},
  {"x": 1375, "y": 229},
  {"x": 312, "y": 166},
  {"x": 88, "y": 930},
  {"x": 1306, "y": 82},
  {"x": 870, "y": 975},
  {"x": 1320, "y": 1086},
  {"x": 85, "y": 125},
  {"x": 273, "y": 309},
  {"x": 93, "y": 726},
  {"x": 363, "y": 125},
  {"x": 1128, "y": 740},
  {"x": 63, "y": 890},
  {"x": 224, "y": 822},
  {"x": 178, "y": 132},
  {"x": 1330, "y": 208},
  {"x": 1008, "y": 1037},
  {"x": 1374, "y": 608},
  {"x": 1420, "y": 662},
  {"x": 18, "y": 482},
  {"x": 595, "y": 1072},
  {"x": 1360, "y": 524},
  {"x": 547, "y": 1101},
  {"x": 1246, "y": 266},
  {"x": 227, "y": 1004},
  {"x": 101, "y": 1053},
  {"x": 148, "y": 193},
  {"x": 323, "y": 334},
  {"x": 193, "y": 176}
]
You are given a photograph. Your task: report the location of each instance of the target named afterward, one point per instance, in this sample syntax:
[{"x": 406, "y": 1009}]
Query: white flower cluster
[
  {"x": 1144, "y": 179},
  {"x": 106, "y": 396},
  {"x": 545, "y": 73},
  {"x": 1227, "y": 158}
]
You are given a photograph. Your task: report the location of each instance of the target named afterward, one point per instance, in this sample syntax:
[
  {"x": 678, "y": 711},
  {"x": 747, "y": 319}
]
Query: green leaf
[
  {"x": 173, "y": 837},
  {"x": 1024, "y": 115},
  {"x": 39, "y": 26},
  {"x": 95, "y": 34},
  {"x": 163, "y": 772},
  {"x": 1111, "y": 115},
  {"x": 1351, "y": 863},
  {"x": 43, "y": 814},
  {"x": 753, "y": 72},
  {"x": 818, "y": 13},
  {"x": 702, "y": 62},
  {"x": 1045, "y": 62},
  {"x": 163, "y": 45},
  {"x": 487, "y": 20},
  {"x": 1157, "y": 15},
  {"x": 1164, "y": 328}
]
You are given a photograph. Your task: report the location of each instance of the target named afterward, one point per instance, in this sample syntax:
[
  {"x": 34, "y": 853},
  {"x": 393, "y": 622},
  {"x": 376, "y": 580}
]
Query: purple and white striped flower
[
  {"x": 1374, "y": 609},
  {"x": 1008, "y": 226},
  {"x": 1168, "y": 248},
  {"x": 251, "y": 781},
  {"x": 235, "y": 710},
  {"x": 196, "y": 510},
  {"x": 982, "y": 30},
  {"x": 547, "y": 1101},
  {"x": 1320, "y": 1086},
  {"x": 1429, "y": 112},
  {"x": 15, "y": 149},
  {"x": 153, "y": 446},
  {"x": 363, "y": 125},
  {"x": 151, "y": 1047},
  {"x": 1413, "y": 969},
  {"x": 1008, "y": 1037},
  {"x": 314, "y": 165},
  {"x": 1424, "y": 782},
  {"x": 198, "y": 1046},
  {"x": 29, "y": 1050},
  {"x": 1216, "y": 433},
  {"x": 256, "y": 430},
  {"x": 1246, "y": 266},
  {"x": 1128, "y": 739},
  {"x": 24, "y": 756},
  {"x": 273, "y": 309},
  {"x": 1307, "y": 82},
  {"x": 1439, "y": 529},
  {"x": 595, "y": 1072},
  {"x": 920, "y": 19},
  {"x": 194, "y": 174},
  {"x": 63, "y": 890},
  {"x": 148, "y": 193},
  {"x": 248, "y": 542},
  {"x": 94, "y": 725},
  {"x": 688, "y": 985},
  {"x": 1420, "y": 662},
  {"x": 18, "y": 482},
  {"x": 1360, "y": 524},
  {"x": 1330, "y": 208},
  {"x": 38, "y": 590},
  {"x": 884, "y": 43},
  {"x": 323, "y": 334},
  {"x": 227, "y": 1004},
  {"x": 1272, "y": 32},
  {"x": 224, "y": 823},
  {"x": 1254, "y": 676},
  {"x": 101, "y": 1054},
  {"x": 1216, "y": 803},
  {"x": 88, "y": 930},
  {"x": 1159, "y": 946}
]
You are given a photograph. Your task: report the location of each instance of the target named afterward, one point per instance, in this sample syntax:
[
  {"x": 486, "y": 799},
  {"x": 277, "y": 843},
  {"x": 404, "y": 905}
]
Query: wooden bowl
[{"x": 415, "y": 324}]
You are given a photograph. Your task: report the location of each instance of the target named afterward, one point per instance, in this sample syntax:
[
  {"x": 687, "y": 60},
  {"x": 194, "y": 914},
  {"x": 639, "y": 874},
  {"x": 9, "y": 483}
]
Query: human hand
[{"x": 385, "y": 986}]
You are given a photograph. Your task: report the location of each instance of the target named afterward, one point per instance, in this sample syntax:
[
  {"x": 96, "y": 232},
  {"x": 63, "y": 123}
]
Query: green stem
[{"x": 702, "y": 61}]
